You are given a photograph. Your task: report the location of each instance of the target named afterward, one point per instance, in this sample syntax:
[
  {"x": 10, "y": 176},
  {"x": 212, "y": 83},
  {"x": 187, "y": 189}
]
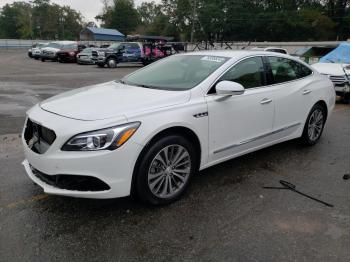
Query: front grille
[
  {"x": 38, "y": 137},
  {"x": 72, "y": 182},
  {"x": 48, "y": 53},
  {"x": 338, "y": 80}
]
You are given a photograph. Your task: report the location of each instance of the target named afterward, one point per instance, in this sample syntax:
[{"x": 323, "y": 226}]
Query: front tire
[
  {"x": 346, "y": 98},
  {"x": 314, "y": 125},
  {"x": 112, "y": 63},
  {"x": 165, "y": 170}
]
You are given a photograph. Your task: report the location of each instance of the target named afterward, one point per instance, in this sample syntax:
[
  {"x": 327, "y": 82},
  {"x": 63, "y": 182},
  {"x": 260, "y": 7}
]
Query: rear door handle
[
  {"x": 306, "y": 92},
  {"x": 266, "y": 101}
]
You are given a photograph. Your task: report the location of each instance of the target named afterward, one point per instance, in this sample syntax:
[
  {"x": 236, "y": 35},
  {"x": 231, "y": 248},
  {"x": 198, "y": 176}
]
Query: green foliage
[
  {"x": 121, "y": 15},
  {"x": 202, "y": 20},
  {"x": 40, "y": 19}
]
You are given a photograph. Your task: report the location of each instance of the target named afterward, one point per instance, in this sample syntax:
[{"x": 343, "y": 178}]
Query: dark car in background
[
  {"x": 50, "y": 52},
  {"x": 117, "y": 53},
  {"x": 68, "y": 53},
  {"x": 140, "y": 49}
]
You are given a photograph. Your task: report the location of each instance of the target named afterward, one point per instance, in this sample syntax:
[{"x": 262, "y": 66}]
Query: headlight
[
  {"x": 104, "y": 139},
  {"x": 101, "y": 54}
]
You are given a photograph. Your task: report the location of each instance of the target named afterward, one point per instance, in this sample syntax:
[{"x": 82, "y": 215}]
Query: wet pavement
[{"x": 225, "y": 216}]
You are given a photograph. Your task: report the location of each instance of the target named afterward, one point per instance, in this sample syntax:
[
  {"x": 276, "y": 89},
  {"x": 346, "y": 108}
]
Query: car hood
[
  {"x": 331, "y": 69},
  {"x": 111, "y": 100},
  {"x": 52, "y": 49}
]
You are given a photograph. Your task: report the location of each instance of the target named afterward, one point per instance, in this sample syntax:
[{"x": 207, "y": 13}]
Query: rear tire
[
  {"x": 43, "y": 59},
  {"x": 165, "y": 170},
  {"x": 145, "y": 63},
  {"x": 314, "y": 125}
]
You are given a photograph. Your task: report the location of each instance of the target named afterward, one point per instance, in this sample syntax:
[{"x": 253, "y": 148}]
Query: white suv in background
[{"x": 36, "y": 51}]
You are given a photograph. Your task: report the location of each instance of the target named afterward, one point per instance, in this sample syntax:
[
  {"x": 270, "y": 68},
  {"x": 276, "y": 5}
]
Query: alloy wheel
[
  {"x": 315, "y": 125},
  {"x": 112, "y": 63},
  {"x": 169, "y": 171}
]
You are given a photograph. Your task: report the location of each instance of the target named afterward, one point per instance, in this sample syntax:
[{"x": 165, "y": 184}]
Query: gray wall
[{"x": 290, "y": 46}]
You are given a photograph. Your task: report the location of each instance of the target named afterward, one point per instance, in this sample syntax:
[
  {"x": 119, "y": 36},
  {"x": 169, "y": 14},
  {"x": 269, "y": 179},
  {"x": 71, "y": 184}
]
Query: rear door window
[{"x": 285, "y": 70}]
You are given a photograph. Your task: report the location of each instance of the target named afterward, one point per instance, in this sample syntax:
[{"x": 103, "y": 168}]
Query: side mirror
[{"x": 229, "y": 88}]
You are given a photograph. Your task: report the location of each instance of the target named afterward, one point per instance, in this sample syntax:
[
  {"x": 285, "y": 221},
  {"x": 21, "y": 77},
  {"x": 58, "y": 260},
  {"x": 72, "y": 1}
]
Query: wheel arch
[
  {"x": 175, "y": 130},
  {"x": 324, "y": 105},
  {"x": 111, "y": 56}
]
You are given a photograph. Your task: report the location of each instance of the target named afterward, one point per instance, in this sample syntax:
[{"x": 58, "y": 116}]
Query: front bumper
[
  {"x": 85, "y": 60},
  {"x": 342, "y": 90},
  {"x": 48, "y": 56},
  {"x": 67, "y": 58},
  {"x": 114, "y": 168},
  {"x": 99, "y": 59},
  {"x": 36, "y": 55}
]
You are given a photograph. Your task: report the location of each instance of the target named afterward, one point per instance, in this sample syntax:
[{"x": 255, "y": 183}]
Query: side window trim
[
  {"x": 208, "y": 93},
  {"x": 268, "y": 71}
]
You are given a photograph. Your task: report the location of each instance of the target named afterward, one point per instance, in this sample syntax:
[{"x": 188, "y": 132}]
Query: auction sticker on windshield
[{"x": 216, "y": 59}]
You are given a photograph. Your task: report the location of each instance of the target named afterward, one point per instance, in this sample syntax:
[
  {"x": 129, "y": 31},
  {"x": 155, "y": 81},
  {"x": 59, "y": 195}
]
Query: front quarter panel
[{"x": 186, "y": 115}]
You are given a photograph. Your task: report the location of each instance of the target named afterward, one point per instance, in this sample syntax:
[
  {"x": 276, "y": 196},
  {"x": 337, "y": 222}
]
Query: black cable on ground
[{"x": 289, "y": 186}]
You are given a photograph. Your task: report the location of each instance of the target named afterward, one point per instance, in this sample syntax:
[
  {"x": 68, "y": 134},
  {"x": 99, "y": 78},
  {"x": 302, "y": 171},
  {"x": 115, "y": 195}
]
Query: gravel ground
[{"x": 225, "y": 216}]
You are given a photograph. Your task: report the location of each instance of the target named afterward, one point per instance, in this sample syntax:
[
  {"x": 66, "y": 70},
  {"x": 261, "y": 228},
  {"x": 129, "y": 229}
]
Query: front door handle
[
  {"x": 266, "y": 101},
  {"x": 306, "y": 92}
]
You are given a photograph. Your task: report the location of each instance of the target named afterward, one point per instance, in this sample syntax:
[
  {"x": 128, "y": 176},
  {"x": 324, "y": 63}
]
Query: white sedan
[{"x": 150, "y": 132}]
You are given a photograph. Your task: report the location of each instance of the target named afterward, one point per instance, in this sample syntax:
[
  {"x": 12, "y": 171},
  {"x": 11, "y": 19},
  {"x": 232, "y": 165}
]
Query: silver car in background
[{"x": 85, "y": 57}]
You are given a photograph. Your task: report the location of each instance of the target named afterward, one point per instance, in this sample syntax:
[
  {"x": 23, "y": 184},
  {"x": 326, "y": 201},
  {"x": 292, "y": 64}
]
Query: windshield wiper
[
  {"x": 138, "y": 85},
  {"x": 330, "y": 60},
  {"x": 145, "y": 86}
]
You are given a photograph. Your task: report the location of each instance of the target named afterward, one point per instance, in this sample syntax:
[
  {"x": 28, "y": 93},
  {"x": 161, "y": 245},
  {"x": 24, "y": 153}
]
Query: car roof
[{"x": 235, "y": 53}]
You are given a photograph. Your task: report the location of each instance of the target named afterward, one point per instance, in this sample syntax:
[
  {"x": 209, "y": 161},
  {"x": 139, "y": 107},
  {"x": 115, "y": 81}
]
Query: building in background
[{"x": 100, "y": 34}]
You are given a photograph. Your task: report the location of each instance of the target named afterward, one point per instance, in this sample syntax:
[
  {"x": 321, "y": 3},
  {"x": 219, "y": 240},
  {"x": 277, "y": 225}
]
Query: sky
[{"x": 88, "y": 8}]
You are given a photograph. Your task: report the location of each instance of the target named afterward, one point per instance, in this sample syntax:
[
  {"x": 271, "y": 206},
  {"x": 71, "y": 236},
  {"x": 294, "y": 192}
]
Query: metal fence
[
  {"x": 289, "y": 46},
  {"x": 24, "y": 44}
]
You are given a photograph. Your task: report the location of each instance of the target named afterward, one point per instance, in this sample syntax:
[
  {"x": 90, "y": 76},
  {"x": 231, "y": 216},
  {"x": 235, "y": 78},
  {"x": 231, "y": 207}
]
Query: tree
[
  {"x": 148, "y": 12},
  {"x": 15, "y": 20},
  {"x": 120, "y": 15},
  {"x": 41, "y": 19}
]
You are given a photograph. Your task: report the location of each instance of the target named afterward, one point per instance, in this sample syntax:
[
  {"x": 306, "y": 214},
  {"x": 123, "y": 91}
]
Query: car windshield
[
  {"x": 114, "y": 46},
  {"x": 69, "y": 47},
  {"x": 53, "y": 45},
  {"x": 176, "y": 73},
  {"x": 86, "y": 50}
]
